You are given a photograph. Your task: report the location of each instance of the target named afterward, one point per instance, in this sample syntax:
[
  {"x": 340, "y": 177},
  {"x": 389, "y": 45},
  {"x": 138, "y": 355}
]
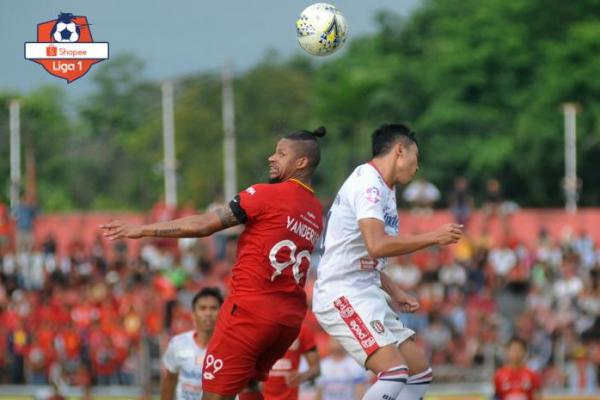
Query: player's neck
[
  {"x": 303, "y": 179},
  {"x": 385, "y": 170},
  {"x": 201, "y": 338}
]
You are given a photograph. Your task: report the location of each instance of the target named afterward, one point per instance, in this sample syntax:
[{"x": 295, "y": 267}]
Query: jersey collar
[
  {"x": 372, "y": 164},
  {"x": 305, "y": 186}
]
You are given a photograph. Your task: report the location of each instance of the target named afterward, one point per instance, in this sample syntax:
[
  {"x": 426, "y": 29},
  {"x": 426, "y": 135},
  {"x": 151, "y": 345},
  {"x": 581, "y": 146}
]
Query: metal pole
[
  {"x": 15, "y": 153},
  {"x": 170, "y": 162},
  {"x": 570, "y": 111},
  {"x": 230, "y": 176}
]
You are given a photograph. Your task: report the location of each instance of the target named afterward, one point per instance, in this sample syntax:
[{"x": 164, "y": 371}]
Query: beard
[{"x": 275, "y": 179}]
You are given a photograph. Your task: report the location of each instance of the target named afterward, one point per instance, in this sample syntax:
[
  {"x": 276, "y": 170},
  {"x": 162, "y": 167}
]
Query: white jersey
[
  {"x": 184, "y": 357},
  {"x": 345, "y": 266},
  {"x": 339, "y": 378}
]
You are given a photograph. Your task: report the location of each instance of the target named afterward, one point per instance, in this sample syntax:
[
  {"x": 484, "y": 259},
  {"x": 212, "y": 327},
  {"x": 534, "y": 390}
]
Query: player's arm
[
  {"x": 379, "y": 244},
  {"x": 193, "y": 226},
  {"x": 168, "y": 384},
  {"x": 402, "y": 301},
  {"x": 313, "y": 371}
]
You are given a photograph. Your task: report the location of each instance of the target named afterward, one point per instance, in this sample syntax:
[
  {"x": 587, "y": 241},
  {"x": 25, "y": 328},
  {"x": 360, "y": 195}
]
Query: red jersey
[
  {"x": 284, "y": 222},
  {"x": 516, "y": 384},
  {"x": 275, "y": 388}
]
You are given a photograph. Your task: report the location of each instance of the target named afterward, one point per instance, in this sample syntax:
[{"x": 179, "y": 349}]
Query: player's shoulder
[
  {"x": 365, "y": 174},
  {"x": 258, "y": 188},
  {"x": 182, "y": 338}
]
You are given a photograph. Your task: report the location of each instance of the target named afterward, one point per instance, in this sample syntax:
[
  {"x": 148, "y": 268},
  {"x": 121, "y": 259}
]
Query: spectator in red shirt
[
  {"x": 284, "y": 377},
  {"x": 514, "y": 381}
]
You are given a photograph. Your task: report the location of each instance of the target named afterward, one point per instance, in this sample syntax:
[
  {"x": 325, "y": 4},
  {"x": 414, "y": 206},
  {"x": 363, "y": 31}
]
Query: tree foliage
[{"x": 482, "y": 83}]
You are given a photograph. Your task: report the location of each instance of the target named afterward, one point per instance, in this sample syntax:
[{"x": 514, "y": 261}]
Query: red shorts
[{"x": 243, "y": 348}]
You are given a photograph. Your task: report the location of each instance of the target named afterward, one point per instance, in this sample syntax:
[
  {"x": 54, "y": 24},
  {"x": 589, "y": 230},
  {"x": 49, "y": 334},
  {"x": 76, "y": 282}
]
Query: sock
[
  {"x": 250, "y": 396},
  {"x": 416, "y": 386},
  {"x": 389, "y": 384}
]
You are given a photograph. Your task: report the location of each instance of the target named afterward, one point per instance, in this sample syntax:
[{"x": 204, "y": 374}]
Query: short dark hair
[
  {"x": 307, "y": 144},
  {"x": 384, "y": 137},
  {"x": 208, "y": 292},
  {"x": 517, "y": 340}
]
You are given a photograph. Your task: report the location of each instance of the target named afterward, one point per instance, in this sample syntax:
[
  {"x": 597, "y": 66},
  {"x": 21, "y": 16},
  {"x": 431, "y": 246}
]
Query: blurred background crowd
[{"x": 101, "y": 313}]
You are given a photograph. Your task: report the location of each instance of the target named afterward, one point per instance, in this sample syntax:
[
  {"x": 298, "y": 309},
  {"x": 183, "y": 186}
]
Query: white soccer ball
[
  {"x": 66, "y": 33},
  {"x": 321, "y": 29}
]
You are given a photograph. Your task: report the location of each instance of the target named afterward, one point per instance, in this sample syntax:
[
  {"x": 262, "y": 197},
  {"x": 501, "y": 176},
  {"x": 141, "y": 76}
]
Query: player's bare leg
[
  {"x": 390, "y": 366},
  {"x": 420, "y": 372}
]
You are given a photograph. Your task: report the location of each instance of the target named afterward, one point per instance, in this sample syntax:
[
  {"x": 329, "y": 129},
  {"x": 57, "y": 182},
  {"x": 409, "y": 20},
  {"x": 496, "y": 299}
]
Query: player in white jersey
[
  {"x": 353, "y": 297},
  {"x": 182, "y": 361},
  {"x": 341, "y": 378}
]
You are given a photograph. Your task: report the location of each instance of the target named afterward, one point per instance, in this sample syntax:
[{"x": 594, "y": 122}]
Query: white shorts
[{"x": 362, "y": 323}]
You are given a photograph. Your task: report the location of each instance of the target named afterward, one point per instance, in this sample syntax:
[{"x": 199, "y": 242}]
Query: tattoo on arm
[
  {"x": 167, "y": 232},
  {"x": 227, "y": 217}
]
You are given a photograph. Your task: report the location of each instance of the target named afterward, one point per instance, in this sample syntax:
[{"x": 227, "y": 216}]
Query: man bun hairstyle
[
  {"x": 307, "y": 144},
  {"x": 386, "y": 136}
]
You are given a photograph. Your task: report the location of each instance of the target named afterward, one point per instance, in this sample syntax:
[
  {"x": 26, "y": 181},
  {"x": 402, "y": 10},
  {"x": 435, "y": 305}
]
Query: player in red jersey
[
  {"x": 284, "y": 378},
  {"x": 263, "y": 314},
  {"x": 514, "y": 381}
]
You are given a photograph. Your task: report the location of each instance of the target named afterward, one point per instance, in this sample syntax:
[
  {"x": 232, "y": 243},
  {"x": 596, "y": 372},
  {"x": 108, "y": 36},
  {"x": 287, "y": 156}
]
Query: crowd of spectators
[{"x": 99, "y": 314}]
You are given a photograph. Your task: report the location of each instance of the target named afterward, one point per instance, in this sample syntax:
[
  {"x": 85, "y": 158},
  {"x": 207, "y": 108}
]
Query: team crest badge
[
  {"x": 378, "y": 326},
  {"x": 65, "y": 47}
]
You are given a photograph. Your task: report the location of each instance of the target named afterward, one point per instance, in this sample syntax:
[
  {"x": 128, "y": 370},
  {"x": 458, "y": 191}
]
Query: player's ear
[{"x": 302, "y": 162}]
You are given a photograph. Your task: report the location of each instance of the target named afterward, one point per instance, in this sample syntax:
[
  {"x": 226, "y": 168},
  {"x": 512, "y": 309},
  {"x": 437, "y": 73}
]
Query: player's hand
[
  {"x": 406, "y": 303},
  {"x": 118, "y": 229},
  {"x": 448, "y": 234},
  {"x": 293, "y": 379}
]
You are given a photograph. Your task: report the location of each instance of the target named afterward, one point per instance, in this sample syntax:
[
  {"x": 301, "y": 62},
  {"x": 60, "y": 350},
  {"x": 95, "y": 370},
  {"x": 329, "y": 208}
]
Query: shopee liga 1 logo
[{"x": 65, "y": 47}]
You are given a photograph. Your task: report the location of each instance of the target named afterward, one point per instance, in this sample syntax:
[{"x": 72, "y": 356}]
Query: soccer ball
[
  {"x": 65, "y": 30},
  {"x": 321, "y": 29}
]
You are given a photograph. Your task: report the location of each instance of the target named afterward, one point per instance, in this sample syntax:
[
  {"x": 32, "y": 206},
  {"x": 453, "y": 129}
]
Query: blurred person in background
[
  {"x": 514, "y": 380},
  {"x": 421, "y": 194},
  {"x": 182, "y": 361},
  {"x": 582, "y": 373},
  {"x": 284, "y": 378},
  {"x": 341, "y": 378},
  {"x": 460, "y": 201},
  {"x": 5, "y": 227}
]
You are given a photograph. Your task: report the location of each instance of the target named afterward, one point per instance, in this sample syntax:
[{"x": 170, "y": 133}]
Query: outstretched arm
[
  {"x": 192, "y": 226},
  {"x": 379, "y": 244}
]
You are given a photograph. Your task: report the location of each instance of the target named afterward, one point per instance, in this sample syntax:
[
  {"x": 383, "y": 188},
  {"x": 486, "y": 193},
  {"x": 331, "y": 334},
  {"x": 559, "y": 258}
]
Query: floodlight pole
[
  {"x": 15, "y": 153},
  {"x": 570, "y": 112},
  {"x": 170, "y": 163},
  {"x": 229, "y": 164}
]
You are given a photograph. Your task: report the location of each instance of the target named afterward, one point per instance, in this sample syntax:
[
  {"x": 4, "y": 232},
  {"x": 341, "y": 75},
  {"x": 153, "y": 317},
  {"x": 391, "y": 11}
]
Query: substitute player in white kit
[
  {"x": 353, "y": 296},
  {"x": 182, "y": 378}
]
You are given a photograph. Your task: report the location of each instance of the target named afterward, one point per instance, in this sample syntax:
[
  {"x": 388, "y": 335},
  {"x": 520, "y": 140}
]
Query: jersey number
[{"x": 295, "y": 259}]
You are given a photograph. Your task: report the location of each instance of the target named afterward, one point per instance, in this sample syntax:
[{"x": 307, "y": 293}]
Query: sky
[{"x": 173, "y": 38}]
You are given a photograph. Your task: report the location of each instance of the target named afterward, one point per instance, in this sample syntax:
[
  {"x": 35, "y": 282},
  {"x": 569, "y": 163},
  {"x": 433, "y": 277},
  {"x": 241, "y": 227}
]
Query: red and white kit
[{"x": 348, "y": 300}]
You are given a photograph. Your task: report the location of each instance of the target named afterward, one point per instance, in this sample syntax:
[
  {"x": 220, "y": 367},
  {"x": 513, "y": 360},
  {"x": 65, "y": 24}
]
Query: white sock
[
  {"x": 389, "y": 384},
  {"x": 416, "y": 386}
]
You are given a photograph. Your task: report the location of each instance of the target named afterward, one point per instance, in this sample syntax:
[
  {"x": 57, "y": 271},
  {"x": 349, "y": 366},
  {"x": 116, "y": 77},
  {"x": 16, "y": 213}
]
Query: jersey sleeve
[
  {"x": 366, "y": 197},
  {"x": 169, "y": 359},
  {"x": 252, "y": 201}
]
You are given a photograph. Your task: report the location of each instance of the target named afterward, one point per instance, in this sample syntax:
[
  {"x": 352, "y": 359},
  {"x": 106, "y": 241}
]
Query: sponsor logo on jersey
[
  {"x": 373, "y": 195},
  {"x": 378, "y": 326},
  {"x": 251, "y": 190}
]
